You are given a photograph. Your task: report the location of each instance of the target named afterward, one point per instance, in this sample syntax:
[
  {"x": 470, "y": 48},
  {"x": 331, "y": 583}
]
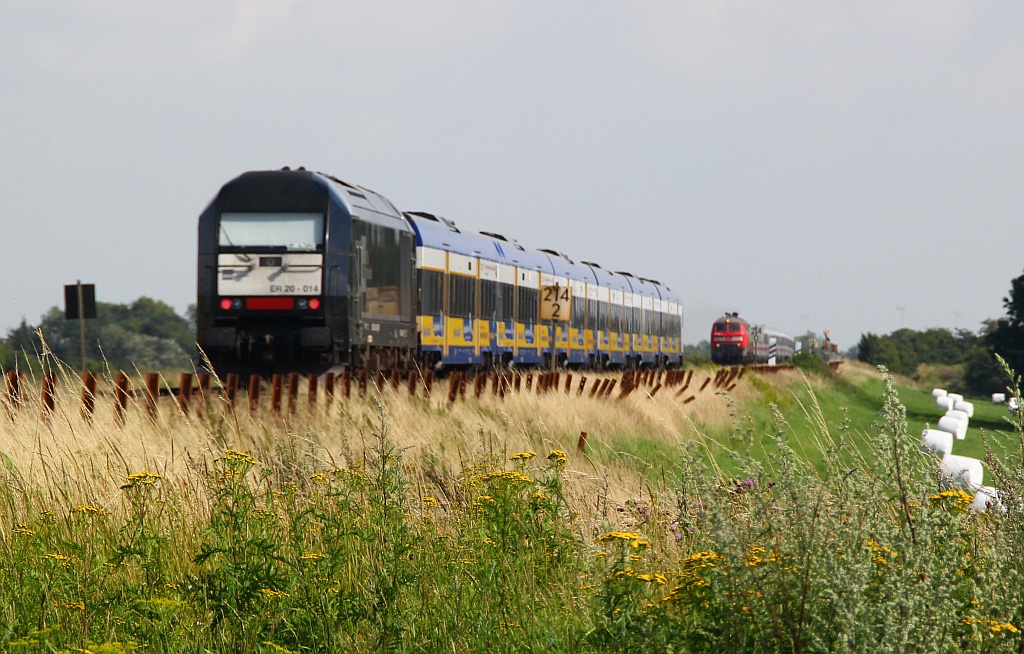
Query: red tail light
[
  {"x": 270, "y": 303},
  {"x": 314, "y": 303},
  {"x": 226, "y": 304}
]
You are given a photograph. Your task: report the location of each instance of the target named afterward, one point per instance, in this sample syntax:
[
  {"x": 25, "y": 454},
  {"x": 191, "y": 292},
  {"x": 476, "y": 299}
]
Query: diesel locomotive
[
  {"x": 736, "y": 341},
  {"x": 300, "y": 271}
]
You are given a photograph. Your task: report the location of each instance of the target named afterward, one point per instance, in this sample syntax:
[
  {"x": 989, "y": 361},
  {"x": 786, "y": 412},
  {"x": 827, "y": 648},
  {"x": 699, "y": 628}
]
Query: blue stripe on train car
[{"x": 462, "y": 356}]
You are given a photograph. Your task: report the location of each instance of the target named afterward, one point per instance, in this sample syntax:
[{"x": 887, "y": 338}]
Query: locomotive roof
[{"x": 732, "y": 317}]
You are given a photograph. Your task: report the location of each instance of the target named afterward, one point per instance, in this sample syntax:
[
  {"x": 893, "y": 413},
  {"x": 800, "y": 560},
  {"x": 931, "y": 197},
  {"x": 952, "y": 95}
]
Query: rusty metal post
[
  {"x": 657, "y": 387},
  {"x": 611, "y": 387},
  {"x": 184, "y": 391},
  {"x": 596, "y": 386},
  {"x": 583, "y": 385},
  {"x": 293, "y": 391},
  {"x": 254, "y": 393},
  {"x": 88, "y": 395},
  {"x": 120, "y": 397},
  {"x": 690, "y": 399},
  {"x": 13, "y": 391},
  {"x": 453, "y": 387},
  {"x": 463, "y": 383},
  {"x": 495, "y": 383},
  {"x": 414, "y": 379},
  {"x": 152, "y": 392},
  {"x": 582, "y": 444},
  {"x": 704, "y": 385},
  {"x": 529, "y": 381},
  {"x": 329, "y": 387},
  {"x": 429, "y": 385},
  {"x": 517, "y": 381},
  {"x": 49, "y": 384},
  {"x": 276, "y": 388},
  {"x": 231, "y": 388},
  {"x": 478, "y": 383},
  {"x": 312, "y": 383},
  {"x": 346, "y": 383}
]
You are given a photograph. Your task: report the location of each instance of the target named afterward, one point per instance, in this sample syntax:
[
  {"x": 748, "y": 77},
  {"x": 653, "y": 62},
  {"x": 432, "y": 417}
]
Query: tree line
[
  {"x": 972, "y": 355},
  {"x": 147, "y": 335}
]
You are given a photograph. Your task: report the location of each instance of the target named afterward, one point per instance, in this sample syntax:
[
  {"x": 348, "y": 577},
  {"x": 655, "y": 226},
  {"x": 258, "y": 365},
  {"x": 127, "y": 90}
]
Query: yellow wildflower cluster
[
  {"x": 522, "y": 456},
  {"x": 558, "y": 457},
  {"x": 261, "y": 514},
  {"x": 630, "y": 572},
  {"x": 78, "y": 606},
  {"x": 633, "y": 539},
  {"x": 311, "y": 556},
  {"x": 882, "y": 553},
  {"x": 961, "y": 499},
  {"x": 508, "y": 475},
  {"x": 24, "y": 530},
  {"x": 997, "y": 627},
  {"x": 319, "y": 478},
  {"x": 429, "y": 502},
  {"x": 88, "y": 509},
  {"x": 232, "y": 456},
  {"x": 145, "y": 478},
  {"x": 270, "y": 592},
  {"x": 755, "y": 556}
]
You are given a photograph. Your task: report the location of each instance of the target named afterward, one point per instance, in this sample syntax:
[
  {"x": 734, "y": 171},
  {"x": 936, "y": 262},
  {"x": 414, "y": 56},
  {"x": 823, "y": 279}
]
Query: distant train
[
  {"x": 736, "y": 341},
  {"x": 300, "y": 271}
]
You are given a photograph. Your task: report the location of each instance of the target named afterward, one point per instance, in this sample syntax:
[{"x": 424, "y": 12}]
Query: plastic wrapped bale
[
  {"x": 965, "y": 406},
  {"x": 987, "y": 497},
  {"x": 998, "y": 398},
  {"x": 958, "y": 414},
  {"x": 954, "y": 426},
  {"x": 938, "y": 392},
  {"x": 943, "y": 403},
  {"x": 954, "y": 397},
  {"x": 962, "y": 471},
  {"x": 939, "y": 442},
  {"x": 1012, "y": 404}
]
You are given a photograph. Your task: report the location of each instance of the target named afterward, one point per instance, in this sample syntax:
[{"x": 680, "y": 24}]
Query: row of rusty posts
[{"x": 284, "y": 389}]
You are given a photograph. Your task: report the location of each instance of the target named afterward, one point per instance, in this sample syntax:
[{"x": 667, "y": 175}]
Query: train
[
  {"x": 301, "y": 271},
  {"x": 736, "y": 341}
]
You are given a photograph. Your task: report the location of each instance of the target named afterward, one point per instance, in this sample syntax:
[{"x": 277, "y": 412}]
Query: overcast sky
[{"x": 809, "y": 164}]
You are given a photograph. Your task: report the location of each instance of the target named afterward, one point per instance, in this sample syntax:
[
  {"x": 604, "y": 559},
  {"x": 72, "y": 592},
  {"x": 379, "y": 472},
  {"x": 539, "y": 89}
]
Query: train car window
[
  {"x": 529, "y": 305},
  {"x": 462, "y": 300},
  {"x": 616, "y": 317},
  {"x": 579, "y": 312},
  {"x": 506, "y": 300},
  {"x": 293, "y": 231},
  {"x": 431, "y": 293},
  {"x": 488, "y": 299},
  {"x": 734, "y": 327}
]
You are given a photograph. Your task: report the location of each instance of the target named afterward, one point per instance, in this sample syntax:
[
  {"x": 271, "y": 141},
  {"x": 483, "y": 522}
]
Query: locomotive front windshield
[{"x": 296, "y": 232}]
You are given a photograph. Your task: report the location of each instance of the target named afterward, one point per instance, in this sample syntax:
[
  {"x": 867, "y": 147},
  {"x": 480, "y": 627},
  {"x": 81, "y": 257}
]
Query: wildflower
[
  {"x": 234, "y": 455},
  {"x": 24, "y": 530},
  {"x": 270, "y": 592},
  {"x": 144, "y": 478},
  {"x": 508, "y": 475},
  {"x": 78, "y": 606},
  {"x": 87, "y": 508},
  {"x": 311, "y": 556},
  {"x": 429, "y": 502},
  {"x": 56, "y": 557},
  {"x": 522, "y": 456},
  {"x": 997, "y": 627},
  {"x": 558, "y": 457},
  {"x": 961, "y": 499},
  {"x": 319, "y": 478}
]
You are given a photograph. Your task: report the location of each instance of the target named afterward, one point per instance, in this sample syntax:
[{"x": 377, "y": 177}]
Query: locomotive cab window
[
  {"x": 300, "y": 232},
  {"x": 734, "y": 327}
]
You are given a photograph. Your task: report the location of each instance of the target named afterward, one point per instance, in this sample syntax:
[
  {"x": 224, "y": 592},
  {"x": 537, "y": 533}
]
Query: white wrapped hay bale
[
  {"x": 998, "y": 398},
  {"x": 958, "y": 414},
  {"x": 943, "y": 403},
  {"x": 987, "y": 497},
  {"x": 938, "y": 392},
  {"x": 954, "y": 426},
  {"x": 965, "y": 406},
  {"x": 1012, "y": 404},
  {"x": 962, "y": 471},
  {"x": 939, "y": 442},
  {"x": 954, "y": 397}
]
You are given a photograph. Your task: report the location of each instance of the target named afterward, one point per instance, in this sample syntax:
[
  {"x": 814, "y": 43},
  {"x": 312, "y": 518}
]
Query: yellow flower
[
  {"x": 997, "y": 627},
  {"x": 522, "y": 456},
  {"x": 429, "y": 502},
  {"x": 87, "y": 508},
  {"x": 24, "y": 530},
  {"x": 270, "y": 592},
  {"x": 319, "y": 478},
  {"x": 311, "y": 556},
  {"x": 145, "y": 477},
  {"x": 558, "y": 456}
]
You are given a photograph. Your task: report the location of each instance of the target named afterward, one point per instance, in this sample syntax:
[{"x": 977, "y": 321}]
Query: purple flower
[{"x": 673, "y": 527}]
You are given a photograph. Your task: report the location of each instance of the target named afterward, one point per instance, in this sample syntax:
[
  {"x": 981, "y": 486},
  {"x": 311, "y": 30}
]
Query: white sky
[{"x": 810, "y": 164}]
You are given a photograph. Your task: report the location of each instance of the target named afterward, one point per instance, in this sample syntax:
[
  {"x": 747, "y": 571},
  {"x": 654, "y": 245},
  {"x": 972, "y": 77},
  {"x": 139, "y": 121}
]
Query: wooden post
[
  {"x": 583, "y": 385},
  {"x": 429, "y": 385},
  {"x": 152, "y": 392},
  {"x": 568, "y": 382},
  {"x": 329, "y": 387},
  {"x": 582, "y": 444},
  {"x": 231, "y": 388},
  {"x": 414, "y": 379},
  {"x": 120, "y": 397}
]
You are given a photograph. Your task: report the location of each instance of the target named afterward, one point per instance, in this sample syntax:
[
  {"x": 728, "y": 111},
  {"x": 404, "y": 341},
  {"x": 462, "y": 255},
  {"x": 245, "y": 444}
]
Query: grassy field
[{"x": 795, "y": 513}]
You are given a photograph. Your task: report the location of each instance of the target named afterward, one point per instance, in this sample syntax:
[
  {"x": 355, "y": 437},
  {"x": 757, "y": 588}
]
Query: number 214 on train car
[{"x": 555, "y": 302}]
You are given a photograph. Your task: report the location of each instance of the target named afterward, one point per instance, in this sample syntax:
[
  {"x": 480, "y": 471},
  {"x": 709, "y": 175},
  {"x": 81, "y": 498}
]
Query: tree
[{"x": 1004, "y": 337}]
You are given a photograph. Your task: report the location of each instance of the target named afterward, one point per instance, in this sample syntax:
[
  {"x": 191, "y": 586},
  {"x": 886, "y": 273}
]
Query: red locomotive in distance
[{"x": 734, "y": 340}]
